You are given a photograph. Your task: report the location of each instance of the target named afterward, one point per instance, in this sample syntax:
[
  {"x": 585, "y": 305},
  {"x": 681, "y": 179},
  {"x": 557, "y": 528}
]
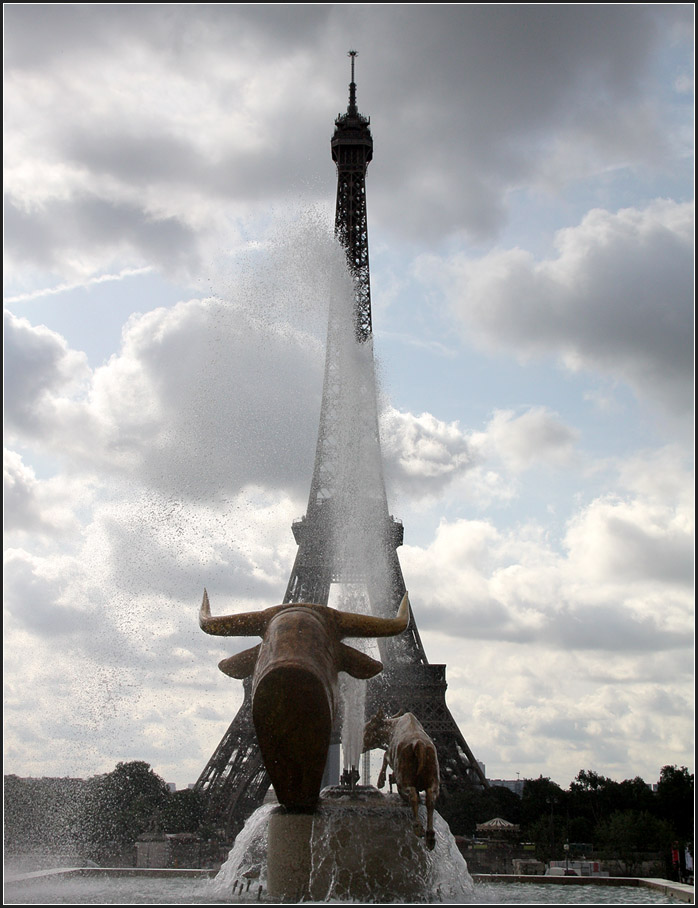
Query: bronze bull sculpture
[
  {"x": 294, "y": 683},
  {"x": 411, "y": 754}
]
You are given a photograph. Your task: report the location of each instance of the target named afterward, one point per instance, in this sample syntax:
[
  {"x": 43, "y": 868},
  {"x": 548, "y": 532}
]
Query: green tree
[
  {"x": 635, "y": 794},
  {"x": 579, "y": 829},
  {"x": 121, "y": 805},
  {"x": 549, "y": 846},
  {"x": 544, "y": 816},
  {"x": 542, "y": 798},
  {"x": 675, "y": 800},
  {"x": 627, "y": 834},
  {"x": 184, "y": 811},
  {"x": 594, "y": 796}
]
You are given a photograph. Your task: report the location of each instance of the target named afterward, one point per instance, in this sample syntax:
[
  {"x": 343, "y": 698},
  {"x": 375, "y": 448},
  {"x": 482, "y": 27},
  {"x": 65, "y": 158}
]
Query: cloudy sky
[{"x": 168, "y": 263}]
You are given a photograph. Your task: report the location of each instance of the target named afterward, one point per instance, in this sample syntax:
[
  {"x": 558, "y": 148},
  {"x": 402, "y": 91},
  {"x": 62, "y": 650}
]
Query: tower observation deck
[{"x": 347, "y": 536}]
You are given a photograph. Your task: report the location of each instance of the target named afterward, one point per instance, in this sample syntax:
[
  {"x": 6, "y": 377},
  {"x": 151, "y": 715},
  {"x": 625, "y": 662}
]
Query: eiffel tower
[{"x": 347, "y": 537}]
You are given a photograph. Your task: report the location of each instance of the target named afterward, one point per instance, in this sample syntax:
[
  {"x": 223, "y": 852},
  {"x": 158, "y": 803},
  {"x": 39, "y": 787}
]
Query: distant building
[
  {"x": 172, "y": 786},
  {"x": 515, "y": 785}
]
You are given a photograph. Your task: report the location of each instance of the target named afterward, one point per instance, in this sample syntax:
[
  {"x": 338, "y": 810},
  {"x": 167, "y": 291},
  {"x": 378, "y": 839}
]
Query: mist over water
[{"x": 296, "y": 295}]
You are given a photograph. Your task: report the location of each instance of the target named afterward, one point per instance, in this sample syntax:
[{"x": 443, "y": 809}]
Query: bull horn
[
  {"x": 248, "y": 624},
  {"x": 352, "y": 625}
]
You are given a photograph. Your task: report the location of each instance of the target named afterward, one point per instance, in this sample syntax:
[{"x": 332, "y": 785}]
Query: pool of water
[
  {"x": 109, "y": 890},
  {"x": 113, "y": 890},
  {"x": 570, "y": 894}
]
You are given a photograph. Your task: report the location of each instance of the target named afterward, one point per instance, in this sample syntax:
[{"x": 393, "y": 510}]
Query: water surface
[{"x": 107, "y": 890}]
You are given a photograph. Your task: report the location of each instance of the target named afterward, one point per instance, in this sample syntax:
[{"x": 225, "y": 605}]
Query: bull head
[{"x": 294, "y": 682}]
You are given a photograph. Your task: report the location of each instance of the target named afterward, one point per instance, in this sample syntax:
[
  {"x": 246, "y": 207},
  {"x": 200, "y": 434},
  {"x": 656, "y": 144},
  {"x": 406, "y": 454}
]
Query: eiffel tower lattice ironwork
[{"x": 347, "y": 473}]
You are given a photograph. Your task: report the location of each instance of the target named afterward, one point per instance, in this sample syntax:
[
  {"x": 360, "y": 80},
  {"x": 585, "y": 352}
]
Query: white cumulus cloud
[{"x": 617, "y": 298}]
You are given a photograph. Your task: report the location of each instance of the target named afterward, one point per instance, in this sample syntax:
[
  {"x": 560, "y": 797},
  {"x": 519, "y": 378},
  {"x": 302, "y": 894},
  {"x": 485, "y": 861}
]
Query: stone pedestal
[
  {"x": 357, "y": 848},
  {"x": 288, "y": 856}
]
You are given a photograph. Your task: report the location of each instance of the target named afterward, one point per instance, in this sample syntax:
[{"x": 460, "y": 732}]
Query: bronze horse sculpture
[
  {"x": 294, "y": 683},
  {"x": 411, "y": 754}
]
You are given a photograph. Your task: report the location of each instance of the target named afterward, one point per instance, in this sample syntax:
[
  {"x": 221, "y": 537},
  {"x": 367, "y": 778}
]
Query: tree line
[
  {"x": 101, "y": 817},
  {"x": 613, "y": 819}
]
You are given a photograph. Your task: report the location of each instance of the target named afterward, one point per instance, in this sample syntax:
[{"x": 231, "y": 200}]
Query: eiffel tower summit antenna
[
  {"x": 348, "y": 480},
  {"x": 352, "y": 85}
]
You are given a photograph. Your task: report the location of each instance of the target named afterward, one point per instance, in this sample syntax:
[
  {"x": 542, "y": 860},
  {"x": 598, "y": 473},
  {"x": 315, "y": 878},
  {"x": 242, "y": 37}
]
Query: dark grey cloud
[
  {"x": 140, "y": 159},
  {"x": 51, "y": 236},
  {"x": 150, "y": 157},
  {"x": 612, "y": 628},
  {"x": 574, "y": 732},
  {"x": 47, "y": 34},
  {"x": 467, "y": 102},
  {"x": 478, "y": 619},
  {"x": 42, "y": 35},
  {"x": 638, "y": 553},
  {"x": 468, "y": 99}
]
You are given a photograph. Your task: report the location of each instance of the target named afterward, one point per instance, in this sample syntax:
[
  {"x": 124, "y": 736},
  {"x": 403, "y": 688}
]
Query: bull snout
[{"x": 293, "y": 704}]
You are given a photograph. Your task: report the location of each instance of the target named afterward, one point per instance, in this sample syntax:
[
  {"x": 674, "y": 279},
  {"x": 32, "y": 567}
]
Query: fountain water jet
[{"x": 361, "y": 845}]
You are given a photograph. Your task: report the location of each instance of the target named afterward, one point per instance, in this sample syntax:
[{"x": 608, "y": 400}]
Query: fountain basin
[
  {"x": 130, "y": 886},
  {"x": 361, "y": 848}
]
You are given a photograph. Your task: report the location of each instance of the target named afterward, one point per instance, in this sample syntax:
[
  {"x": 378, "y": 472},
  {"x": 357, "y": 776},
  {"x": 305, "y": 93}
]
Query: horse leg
[
  {"x": 413, "y": 797},
  {"x": 381, "y": 775},
  {"x": 429, "y": 800}
]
